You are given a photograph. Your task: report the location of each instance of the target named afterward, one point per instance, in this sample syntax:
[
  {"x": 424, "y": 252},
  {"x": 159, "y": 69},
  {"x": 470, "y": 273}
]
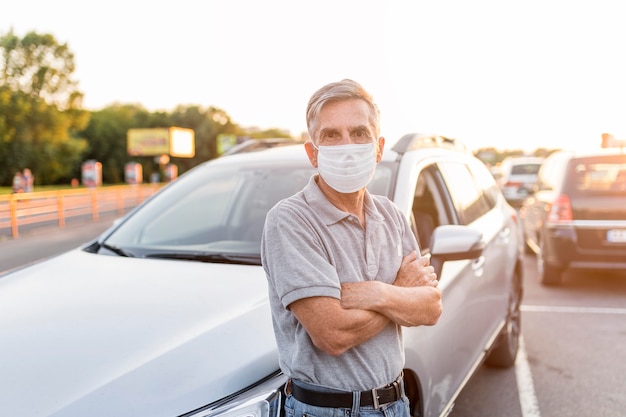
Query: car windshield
[
  {"x": 599, "y": 175},
  {"x": 216, "y": 212},
  {"x": 525, "y": 169}
]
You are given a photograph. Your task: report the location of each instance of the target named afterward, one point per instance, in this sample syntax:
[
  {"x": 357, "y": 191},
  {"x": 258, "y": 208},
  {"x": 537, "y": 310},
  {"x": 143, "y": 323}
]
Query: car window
[
  {"x": 211, "y": 208},
  {"x": 596, "y": 175},
  {"x": 525, "y": 169},
  {"x": 431, "y": 206},
  {"x": 485, "y": 181},
  {"x": 219, "y": 208},
  {"x": 383, "y": 180},
  {"x": 469, "y": 198}
]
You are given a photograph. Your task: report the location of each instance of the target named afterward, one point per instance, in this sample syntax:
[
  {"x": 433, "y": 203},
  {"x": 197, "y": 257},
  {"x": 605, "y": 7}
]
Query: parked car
[
  {"x": 575, "y": 217},
  {"x": 517, "y": 177},
  {"x": 167, "y": 312}
]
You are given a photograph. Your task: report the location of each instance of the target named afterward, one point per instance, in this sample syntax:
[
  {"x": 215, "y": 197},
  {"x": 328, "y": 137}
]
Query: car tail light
[
  {"x": 561, "y": 210},
  {"x": 515, "y": 215},
  {"x": 513, "y": 184}
]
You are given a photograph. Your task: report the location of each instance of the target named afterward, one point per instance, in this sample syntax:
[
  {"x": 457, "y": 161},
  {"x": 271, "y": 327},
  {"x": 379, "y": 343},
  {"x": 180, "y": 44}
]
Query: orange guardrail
[{"x": 38, "y": 207}]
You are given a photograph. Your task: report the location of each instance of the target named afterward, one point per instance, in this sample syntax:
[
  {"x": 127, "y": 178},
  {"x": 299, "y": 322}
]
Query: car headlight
[{"x": 262, "y": 400}]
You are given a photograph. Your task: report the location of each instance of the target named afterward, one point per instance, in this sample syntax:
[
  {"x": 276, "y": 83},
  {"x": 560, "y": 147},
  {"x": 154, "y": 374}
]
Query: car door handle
[
  {"x": 477, "y": 265},
  {"x": 505, "y": 234}
]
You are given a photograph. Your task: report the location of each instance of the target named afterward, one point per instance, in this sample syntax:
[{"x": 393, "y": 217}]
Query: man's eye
[
  {"x": 361, "y": 136},
  {"x": 329, "y": 136}
]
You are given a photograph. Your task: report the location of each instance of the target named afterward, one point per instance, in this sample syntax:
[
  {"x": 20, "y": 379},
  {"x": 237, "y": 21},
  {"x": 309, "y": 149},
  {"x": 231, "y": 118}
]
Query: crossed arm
[{"x": 366, "y": 308}]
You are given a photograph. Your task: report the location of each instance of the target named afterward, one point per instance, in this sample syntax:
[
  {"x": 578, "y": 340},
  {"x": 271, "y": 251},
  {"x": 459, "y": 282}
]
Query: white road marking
[
  {"x": 525, "y": 386},
  {"x": 526, "y": 389},
  {"x": 564, "y": 309}
]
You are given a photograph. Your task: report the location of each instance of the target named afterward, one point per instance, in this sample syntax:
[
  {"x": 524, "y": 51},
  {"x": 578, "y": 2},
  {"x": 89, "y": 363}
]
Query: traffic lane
[
  {"x": 577, "y": 361},
  {"x": 491, "y": 392},
  {"x": 581, "y": 319},
  {"x": 575, "y": 336},
  {"x": 591, "y": 289},
  {"x": 45, "y": 242}
]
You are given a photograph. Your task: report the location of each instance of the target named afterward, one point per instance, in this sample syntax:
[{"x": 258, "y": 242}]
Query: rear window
[
  {"x": 525, "y": 169},
  {"x": 598, "y": 175}
]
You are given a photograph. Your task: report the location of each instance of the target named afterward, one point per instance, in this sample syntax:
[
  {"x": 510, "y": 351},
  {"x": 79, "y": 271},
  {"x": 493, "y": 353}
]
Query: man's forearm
[
  {"x": 406, "y": 306},
  {"x": 335, "y": 329}
]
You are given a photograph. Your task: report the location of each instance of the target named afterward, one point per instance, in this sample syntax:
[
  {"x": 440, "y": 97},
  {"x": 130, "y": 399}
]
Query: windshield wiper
[
  {"x": 116, "y": 250},
  {"x": 244, "y": 259}
]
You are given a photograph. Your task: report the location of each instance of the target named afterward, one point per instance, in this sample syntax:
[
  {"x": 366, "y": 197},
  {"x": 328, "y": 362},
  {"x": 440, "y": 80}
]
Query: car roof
[
  {"x": 518, "y": 160},
  {"x": 590, "y": 152},
  {"x": 393, "y": 151}
]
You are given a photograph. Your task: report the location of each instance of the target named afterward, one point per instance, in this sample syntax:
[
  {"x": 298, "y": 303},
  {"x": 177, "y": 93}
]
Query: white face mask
[{"x": 347, "y": 168}]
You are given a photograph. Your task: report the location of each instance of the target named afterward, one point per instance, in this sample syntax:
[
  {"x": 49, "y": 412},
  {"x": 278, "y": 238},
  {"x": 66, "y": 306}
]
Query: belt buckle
[
  {"x": 375, "y": 398},
  {"x": 396, "y": 385}
]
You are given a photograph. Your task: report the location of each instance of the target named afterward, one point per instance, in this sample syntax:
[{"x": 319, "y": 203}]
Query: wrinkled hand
[{"x": 416, "y": 272}]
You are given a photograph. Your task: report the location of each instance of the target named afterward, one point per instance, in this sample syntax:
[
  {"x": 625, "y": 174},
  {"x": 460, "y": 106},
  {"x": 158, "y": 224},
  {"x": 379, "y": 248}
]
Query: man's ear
[
  {"x": 381, "y": 146},
  {"x": 311, "y": 152}
]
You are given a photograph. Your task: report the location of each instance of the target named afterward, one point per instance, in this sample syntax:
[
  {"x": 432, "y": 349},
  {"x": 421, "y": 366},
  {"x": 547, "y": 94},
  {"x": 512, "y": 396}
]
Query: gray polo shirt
[{"x": 309, "y": 248}]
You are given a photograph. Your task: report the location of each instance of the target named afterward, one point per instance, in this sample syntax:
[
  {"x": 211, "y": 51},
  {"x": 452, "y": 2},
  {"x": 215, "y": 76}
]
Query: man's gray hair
[{"x": 339, "y": 91}]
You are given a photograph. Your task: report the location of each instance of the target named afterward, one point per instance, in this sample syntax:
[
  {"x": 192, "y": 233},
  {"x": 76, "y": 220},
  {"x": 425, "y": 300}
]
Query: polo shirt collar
[{"x": 327, "y": 211}]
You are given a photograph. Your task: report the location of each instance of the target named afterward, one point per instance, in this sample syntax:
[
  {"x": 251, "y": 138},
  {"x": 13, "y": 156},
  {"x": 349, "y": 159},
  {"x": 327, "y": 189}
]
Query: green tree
[
  {"x": 107, "y": 130},
  {"x": 207, "y": 124},
  {"x": 106, "y": 135},
  {"x": 40, "y": 67},
  {"x": 40, "y": 109}
]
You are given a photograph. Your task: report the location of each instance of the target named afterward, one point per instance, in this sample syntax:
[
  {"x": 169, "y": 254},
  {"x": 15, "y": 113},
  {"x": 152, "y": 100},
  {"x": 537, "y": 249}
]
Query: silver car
[
  {"x": 166, "y": 314},
  {"x": 518, "y": 176}
]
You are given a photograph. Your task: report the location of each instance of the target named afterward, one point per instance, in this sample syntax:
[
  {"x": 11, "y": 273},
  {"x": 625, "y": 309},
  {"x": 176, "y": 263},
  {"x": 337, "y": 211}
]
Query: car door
[
  {"x": 488, "y": 276},
  {"x": 448, "y": 352}
]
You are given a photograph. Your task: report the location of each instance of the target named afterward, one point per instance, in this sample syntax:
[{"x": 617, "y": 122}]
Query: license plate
[{"x": 616, "y": 235}]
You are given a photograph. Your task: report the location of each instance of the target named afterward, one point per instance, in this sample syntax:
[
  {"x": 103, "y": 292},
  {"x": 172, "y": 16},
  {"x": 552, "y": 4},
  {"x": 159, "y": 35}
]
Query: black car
[{"x": 575, "y": 217}]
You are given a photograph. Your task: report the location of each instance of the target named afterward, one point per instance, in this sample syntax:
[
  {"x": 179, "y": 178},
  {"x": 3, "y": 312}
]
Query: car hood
[{"x": 86, "y": 334}]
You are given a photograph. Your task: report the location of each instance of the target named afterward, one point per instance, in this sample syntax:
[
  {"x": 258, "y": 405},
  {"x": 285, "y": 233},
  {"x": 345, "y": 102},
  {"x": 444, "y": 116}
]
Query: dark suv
[{"x": 576, "y": 215}]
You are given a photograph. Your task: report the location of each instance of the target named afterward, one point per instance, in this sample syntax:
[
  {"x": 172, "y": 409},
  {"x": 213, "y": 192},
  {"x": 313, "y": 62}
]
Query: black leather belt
[{"x": 375, "y": 397}]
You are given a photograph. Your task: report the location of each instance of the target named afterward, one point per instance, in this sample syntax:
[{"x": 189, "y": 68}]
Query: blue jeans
[{"x": 295, "y": 408}]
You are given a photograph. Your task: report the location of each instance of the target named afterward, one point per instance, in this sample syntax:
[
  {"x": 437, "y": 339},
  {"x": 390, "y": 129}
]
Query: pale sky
[{"x": 512, "y": 75}]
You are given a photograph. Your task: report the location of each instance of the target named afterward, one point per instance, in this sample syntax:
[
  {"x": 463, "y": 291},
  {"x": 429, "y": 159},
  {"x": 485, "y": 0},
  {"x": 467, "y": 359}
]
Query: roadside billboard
[
  {"x": 133, "y": 173},
  {"x": 91, "y": 172},
  {"x": 173, "y": 141},
  {"x": 225, "y": 142}
]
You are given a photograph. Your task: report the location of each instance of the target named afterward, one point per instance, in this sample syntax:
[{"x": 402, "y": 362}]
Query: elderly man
[{"x": 343, "y": 271}]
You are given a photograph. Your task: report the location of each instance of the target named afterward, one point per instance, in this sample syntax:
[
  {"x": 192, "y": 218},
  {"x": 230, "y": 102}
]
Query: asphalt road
[
  {"x": 46, "y": 241},
  {"x": 573, "y": 356}
]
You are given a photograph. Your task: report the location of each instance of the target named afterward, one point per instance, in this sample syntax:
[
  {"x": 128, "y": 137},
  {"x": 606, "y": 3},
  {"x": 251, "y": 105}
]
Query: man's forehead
[{"x": 351, "y": 112}]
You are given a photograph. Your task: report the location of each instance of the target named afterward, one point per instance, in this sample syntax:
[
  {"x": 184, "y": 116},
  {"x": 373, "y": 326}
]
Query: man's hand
[{"x": 416, "y": 272}]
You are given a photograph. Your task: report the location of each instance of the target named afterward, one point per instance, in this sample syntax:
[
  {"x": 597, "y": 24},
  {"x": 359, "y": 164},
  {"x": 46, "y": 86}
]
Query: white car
[
  {"x": 518, "y": 175},
  {"x": 166, "y": 314}
]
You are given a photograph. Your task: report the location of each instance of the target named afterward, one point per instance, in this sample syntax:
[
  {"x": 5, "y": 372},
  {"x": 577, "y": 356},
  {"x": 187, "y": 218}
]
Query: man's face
[{"x": 342, "y": 123}]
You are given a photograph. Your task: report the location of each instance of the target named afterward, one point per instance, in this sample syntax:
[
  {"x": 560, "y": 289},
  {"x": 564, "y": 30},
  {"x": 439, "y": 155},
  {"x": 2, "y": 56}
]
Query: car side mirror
[{"x": 454, "y": 243}]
